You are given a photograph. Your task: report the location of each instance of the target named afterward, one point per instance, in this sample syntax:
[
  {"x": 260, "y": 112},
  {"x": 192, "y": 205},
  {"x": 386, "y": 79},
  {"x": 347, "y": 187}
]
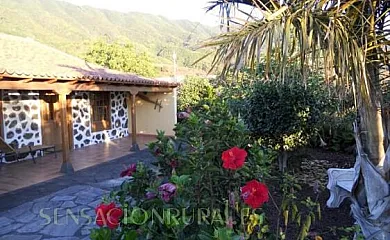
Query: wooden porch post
[
  {"x": 134, "y": 144},
  {"x": 66, "y": 166}
]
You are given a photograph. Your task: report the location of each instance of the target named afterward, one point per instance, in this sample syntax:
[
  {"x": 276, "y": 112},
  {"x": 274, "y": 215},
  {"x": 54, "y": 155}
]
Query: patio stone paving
[
  {"x": 62, "y": 208},
  {"x": 22, "y": 174},
  {"x": 56, "y": 216}
]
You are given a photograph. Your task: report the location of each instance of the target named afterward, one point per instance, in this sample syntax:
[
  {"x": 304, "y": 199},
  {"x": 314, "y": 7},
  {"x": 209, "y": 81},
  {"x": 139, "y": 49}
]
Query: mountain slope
[{"x": 71, "y": 28}]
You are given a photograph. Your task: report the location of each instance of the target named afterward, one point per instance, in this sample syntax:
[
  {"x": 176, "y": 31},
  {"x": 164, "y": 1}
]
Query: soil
[{"x": 310, "y": 168}]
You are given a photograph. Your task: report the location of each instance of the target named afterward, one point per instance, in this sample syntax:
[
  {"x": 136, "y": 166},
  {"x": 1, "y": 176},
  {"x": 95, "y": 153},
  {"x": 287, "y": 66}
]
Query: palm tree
[{"x": 346, "y": 39}]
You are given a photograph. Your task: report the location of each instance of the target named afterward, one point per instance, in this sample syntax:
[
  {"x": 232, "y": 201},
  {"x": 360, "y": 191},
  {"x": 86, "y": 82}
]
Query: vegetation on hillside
[
  {"x": 73, "y": 29},
  {"x": 121, "y": 57}
]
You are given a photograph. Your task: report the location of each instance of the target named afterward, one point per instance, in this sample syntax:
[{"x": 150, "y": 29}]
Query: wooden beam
[
  {"x": 18, "y": 85},
  {"x": 134, "y": 144},
  {"x": 73, "y": 82},
  {"x": 51, "y": 81},
  {"x": 26, "y": 80},
  {"x": 70, "y": 123},
  {"x": 66, "y": 166}
]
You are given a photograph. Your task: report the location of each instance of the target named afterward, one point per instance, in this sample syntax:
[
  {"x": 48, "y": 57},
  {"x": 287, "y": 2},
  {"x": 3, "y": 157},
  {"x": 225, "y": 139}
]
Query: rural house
[{"x": 48, "y": 97}]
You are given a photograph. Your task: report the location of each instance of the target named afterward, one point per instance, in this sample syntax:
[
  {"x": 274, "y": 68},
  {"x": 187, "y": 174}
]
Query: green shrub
[
  {"x": 192, "y": 91},
  {"x": 337, "y": 132},
  {"x": 334, "y": 124},
  {"x": 285, "y": 116}
]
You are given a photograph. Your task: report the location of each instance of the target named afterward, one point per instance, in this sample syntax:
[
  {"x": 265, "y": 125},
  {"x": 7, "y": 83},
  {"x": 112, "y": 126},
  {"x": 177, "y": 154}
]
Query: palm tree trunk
[
  {"x": 371, "y": 186},
  {"x": 372, "y": 133},
  {"x": 371, "y": 121},
  {"x": 371, "y": 110}
]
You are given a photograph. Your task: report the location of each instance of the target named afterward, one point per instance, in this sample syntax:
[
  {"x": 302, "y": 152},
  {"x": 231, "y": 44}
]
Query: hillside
[{"x": 72, "y": 28}]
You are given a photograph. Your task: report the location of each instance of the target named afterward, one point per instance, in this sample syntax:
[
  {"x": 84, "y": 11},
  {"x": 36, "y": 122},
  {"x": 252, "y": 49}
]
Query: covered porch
[
  {"x": 26, "y": 173},
  {"x": 50, "y": 98}
]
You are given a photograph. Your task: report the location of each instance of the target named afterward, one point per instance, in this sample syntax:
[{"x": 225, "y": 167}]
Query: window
[{"x": 100, "y": 111}]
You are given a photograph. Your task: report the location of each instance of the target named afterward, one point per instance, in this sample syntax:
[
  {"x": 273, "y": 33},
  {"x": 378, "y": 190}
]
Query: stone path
[{"x": 65, "y": 214}]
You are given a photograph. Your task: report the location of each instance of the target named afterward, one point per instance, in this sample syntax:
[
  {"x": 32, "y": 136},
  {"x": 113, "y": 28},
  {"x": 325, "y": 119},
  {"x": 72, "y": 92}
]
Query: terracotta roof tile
[{"x": 24, "y": 57}]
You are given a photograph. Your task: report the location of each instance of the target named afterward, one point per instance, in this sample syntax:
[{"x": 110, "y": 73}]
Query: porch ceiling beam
[
  {"x": 19, "y": 85},
  {"x": 52, "y": 81},
  {"x": 26, "y": 80},
  {"x": 73, "y": 82}
]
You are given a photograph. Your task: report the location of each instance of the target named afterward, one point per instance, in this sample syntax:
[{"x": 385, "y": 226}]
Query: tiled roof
[{"x": 26, "y": 58}]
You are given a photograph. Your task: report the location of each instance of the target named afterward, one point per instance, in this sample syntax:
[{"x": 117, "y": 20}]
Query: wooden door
[{"x": 51, "y": 131}]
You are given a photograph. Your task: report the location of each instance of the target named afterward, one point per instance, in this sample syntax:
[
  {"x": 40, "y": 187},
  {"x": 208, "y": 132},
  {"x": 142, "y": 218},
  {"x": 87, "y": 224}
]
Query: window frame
[{"x": 105, "y": 122}]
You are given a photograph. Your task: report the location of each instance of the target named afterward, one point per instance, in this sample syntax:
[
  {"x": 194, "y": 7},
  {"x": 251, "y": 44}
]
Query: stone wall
[
  {"x": 81, "y": 113},
  {"x": 22, "y": 118}
]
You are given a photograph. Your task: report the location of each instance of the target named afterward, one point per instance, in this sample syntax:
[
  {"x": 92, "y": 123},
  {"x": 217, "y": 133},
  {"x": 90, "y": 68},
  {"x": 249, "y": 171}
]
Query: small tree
[
  {"x": 284, "y": 116},
  {"x": 122, "y": 57},
  {"x": 192, "y": 91}
]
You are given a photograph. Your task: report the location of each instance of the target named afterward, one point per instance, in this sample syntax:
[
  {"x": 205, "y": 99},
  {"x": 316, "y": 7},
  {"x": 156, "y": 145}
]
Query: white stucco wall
[{"x": 149, "y": 120}]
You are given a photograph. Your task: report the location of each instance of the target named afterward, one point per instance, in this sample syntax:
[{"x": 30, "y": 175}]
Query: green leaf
[{"x": 131, "y": 235}]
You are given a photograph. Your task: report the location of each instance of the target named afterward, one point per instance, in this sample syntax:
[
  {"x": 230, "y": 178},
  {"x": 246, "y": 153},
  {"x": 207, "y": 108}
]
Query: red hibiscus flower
[
  {"x": 234, "y": 158},
  {"x": 108, "y": 215},
  {"x": 254, "y": 193},
  {"x": 129, "y": 171}
]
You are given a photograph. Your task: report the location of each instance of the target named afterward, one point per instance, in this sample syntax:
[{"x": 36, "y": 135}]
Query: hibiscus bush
[{"x": 208, "y": 182}]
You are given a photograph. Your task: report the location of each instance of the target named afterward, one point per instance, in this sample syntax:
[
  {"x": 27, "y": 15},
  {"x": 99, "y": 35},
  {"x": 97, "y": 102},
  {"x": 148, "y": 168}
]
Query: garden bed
[
  {"x": 310, "y": 167},
  {"x": 215, "y": 166}
]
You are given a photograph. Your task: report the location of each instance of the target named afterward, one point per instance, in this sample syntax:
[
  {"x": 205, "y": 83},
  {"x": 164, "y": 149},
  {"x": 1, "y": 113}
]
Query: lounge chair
[
  {"x": 7, "y": 151},
  {"x": 42, "y": 149}
]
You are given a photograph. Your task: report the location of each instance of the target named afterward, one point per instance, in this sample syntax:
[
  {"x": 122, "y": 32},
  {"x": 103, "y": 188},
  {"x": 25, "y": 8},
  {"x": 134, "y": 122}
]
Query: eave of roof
[{"x": 130, "y": 80}]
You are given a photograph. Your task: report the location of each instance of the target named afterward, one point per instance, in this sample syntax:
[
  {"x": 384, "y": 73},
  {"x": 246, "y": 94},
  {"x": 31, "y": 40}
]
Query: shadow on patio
[{"x": 25, "y": 173}]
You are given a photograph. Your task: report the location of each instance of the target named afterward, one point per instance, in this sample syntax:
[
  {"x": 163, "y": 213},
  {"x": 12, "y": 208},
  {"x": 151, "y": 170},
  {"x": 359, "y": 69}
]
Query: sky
[{"x": 174, "y": 9}]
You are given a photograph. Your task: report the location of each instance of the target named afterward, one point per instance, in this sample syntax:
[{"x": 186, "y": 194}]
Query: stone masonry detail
[
  {"x": 22, "y": 118},
  {"x": 81, "y": 113}
]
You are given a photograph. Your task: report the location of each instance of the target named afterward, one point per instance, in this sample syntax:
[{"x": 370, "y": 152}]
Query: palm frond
[{"x": 344, "y": 36}]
